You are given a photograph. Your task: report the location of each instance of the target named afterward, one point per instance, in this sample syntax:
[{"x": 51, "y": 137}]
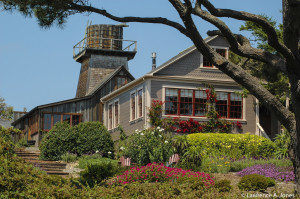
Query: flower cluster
[
  {"x": 154, "y": 172},
  {"x": 271, "y": 171},
  {"x": 189, "y": 126}
]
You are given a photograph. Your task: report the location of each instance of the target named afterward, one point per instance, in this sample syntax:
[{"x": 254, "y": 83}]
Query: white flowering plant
[{"x": 147, "y": 146}]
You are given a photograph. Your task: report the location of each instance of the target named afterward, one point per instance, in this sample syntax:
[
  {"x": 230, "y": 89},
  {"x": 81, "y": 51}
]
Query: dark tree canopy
[{"x": 286, "y": 59}]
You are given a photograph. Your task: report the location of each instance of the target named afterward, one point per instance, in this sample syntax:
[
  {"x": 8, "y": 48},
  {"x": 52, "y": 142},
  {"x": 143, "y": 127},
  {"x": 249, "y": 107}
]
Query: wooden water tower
[{"x": 102, "y": 50}]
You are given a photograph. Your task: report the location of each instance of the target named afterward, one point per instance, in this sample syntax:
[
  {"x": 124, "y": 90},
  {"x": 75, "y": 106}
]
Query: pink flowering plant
[{"x": 154, "y": 172}]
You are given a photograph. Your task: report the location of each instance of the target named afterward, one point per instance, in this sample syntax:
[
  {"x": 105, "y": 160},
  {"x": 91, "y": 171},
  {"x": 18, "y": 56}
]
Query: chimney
[{"x": 153, "y": 60}]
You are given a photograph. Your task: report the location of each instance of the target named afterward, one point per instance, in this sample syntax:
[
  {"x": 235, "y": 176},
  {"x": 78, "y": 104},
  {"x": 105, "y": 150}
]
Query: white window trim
[
  {"x": 130, "y": 101},
  {"x": 114, "y": 109},
  {"x": 137, "y": 104},
  {"x": 214, "y": 67},
  {"x": 112, "y": 117},
  {"x": 243, "y": 119}
]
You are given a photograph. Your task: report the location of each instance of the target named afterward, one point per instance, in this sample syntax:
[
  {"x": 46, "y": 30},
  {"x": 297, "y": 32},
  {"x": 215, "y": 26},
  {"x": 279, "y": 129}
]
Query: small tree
[{"x": 6, "y": 112}]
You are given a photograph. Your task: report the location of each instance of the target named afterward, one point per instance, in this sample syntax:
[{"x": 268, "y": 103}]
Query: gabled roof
[
  {"x": 161, "y": 67},
  {"x": 89, "y": 95},
  {"x": 109, "y": 77},
  {"x": 180, "y": 55}
]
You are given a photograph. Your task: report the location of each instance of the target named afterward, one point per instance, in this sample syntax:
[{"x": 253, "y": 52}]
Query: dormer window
[{"x": 207, "y": 64}]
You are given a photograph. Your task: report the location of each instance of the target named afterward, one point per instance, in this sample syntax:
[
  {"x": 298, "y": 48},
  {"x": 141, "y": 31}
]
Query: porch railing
[
  {"x": 261, "y": 131},
  {"x": 104, "y": 43}
]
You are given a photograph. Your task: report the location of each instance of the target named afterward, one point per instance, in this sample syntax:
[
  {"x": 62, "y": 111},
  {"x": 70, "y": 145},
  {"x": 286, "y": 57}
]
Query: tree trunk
[{"x": 295, "y": 136}]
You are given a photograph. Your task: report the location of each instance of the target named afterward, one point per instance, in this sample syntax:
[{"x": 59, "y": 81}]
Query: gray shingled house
[
  {"x": 108, "y": 93},
  {"x": 177, "y": 84}
]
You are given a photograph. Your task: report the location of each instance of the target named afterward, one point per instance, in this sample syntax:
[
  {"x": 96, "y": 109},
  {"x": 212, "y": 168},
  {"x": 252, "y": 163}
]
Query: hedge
[{"x": 233, "y": 145}]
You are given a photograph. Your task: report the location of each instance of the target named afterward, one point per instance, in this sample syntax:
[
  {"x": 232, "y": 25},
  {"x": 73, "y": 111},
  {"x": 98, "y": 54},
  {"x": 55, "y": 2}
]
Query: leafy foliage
[
  {"x": 154, "y": 172},
  {"x": 255, "y": 182},
  {"x": 282, "y": 141},
  {"x": 223, "y": 185},
  {"x": 148, "y": 145},
  {"x": 233, "y": 145},
  {"x": 69, "y": 157},
  {"x": 240, "y": 164},
  {"x": 6, "y": 112},
  {"x": 84, "y": 138},
  {"x": 97, "y": 170}
]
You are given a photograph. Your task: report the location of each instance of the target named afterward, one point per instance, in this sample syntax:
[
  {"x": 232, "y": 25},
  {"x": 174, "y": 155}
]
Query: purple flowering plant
[{"x": 272, "y": 171}]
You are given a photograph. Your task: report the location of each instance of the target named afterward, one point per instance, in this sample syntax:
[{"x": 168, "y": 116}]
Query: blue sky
[{"x": 37, "y": 66}]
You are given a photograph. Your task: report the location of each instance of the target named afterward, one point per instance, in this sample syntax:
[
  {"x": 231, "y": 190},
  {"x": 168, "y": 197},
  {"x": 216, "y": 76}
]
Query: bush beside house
[{"x": 85, "y": 138}]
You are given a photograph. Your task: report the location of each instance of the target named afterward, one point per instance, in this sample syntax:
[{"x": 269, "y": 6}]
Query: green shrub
[
  {"x": 97, "y": 170},
  {"x": 92, "y": 137},
  {"x": 282, "y": 141},
  {"x": 22, "y": 143},
  {"x": 56, "y": 142},
  {"x": 148, "y": 145},
  {"x": 86, "y": 160},
  {"x": 82, "y": 139},
  {"x": 254, "y": 182},
  {"x": 192, "y": 158},
  {"x": 223, "y": 185},
  {"x": 233, "y": 145},
  {"x": 216, "y": 164},
  {"x": 69, "y": 157}
]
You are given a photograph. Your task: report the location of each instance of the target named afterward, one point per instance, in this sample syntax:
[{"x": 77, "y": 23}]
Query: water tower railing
[{"x": 104, "y": 44}]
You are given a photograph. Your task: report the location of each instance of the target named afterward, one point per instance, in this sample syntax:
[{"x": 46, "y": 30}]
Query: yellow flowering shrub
[{"x": 233, "y": 145}]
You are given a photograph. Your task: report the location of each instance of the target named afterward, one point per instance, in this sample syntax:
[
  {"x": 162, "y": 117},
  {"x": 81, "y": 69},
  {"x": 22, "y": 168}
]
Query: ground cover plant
[
  {"x": 272, "y": 171},
  {"x": 240, "y": 164},
  {"x": 84, "y": 138},
  {"x": 154, "y": 172}
]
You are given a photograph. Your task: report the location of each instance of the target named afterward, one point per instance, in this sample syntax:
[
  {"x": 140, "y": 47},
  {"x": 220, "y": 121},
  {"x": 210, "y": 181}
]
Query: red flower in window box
[{"x": 238, "y": 124}]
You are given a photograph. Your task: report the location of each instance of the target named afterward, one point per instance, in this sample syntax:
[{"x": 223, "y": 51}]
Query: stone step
[
  {"x": 60, "y": 173},
  {"x": 28, "y": 154},
  {"x": 30, "y": 158},
  {"x": 50, "y": 167}
]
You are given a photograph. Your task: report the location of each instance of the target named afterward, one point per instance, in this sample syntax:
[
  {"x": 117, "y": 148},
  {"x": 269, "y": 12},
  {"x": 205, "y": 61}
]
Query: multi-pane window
[
  {"x": 222, "y": 104},
  {"x": 235, "y": 105},
  {"x": 66, "y": 118},
  {"x": 132, "y": 106},
  {"x": 47, "y": 122},
  {"x": 171, "y": 101},
  {"x": 116, "y": 113},
  {"x": 51, "y": 118},
  {"x": 187, "y": 102},
  {"x": 200, "y": 103},
  {"x": 56, "y": 118},
  {"x": 140, "y": 102},
  {"x": 110, "y": 115},
  {"x": 208, "y": 64}
]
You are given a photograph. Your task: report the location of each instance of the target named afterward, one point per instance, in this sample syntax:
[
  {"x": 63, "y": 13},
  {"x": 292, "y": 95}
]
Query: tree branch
[
  {"x": 238, "y": 43},
  {"x": 240, "y": 76},
  {"x": 245, "y": 16},
  {"x": 157, "y": 20}
]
